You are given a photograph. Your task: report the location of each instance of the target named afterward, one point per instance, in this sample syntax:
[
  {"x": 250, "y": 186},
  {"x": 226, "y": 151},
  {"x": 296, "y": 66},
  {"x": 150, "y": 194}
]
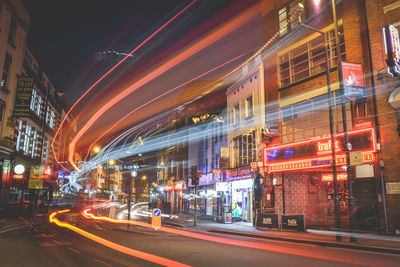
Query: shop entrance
[{"x": 242, "y": 201}]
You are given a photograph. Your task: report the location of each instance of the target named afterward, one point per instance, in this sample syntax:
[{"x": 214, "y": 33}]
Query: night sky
[
  {"x": 69, "y": 37},
  {"x": 76, "y": 42}
]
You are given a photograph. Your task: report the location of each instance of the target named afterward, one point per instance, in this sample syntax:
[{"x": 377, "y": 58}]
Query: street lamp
[
  {"x": 144, "y": 177},
  {"x": 133, "y": 175},
  {"x": 111, "y": 162},
  {"x": 96, "y": 149}
]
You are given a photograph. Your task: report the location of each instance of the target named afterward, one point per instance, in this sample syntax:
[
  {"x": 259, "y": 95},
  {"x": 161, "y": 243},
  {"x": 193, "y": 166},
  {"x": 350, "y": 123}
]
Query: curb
[{"x": 319, "y": 243}]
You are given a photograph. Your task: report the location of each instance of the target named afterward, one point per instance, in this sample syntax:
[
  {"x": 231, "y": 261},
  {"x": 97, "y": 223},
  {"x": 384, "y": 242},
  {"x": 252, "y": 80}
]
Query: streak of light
[
  {"x": 261, "y": 246},
  {"x": 162, "y": 95},
  {"x": 216, "y": 35},
  {"x": 107, "y": 73},
  {"x": 132, "y": 252},
  {"x": 74, "y": 250}
]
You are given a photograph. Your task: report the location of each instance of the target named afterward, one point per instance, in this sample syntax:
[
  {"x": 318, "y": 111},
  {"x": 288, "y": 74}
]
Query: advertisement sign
[
  {"x": 35, "y": 183},
  {"x": 268, "y": 220},
  {"x": 392, "y": 46},
  {"x": 239, "y": 174},
  {"x": 37, "y": 172},
  {"x": 23, "y": 97},
  {"x": 317, "y": 152},
  {"x": 295, "y": 222},
  {"x": 353, "y": 80}
]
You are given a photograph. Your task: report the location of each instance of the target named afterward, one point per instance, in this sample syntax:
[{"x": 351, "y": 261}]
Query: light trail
[
  {"x": 216, "y": 35},
  {"x": 107, "y": 73},
  {"x": 162, "y": 95},
  {"x": 132, "y": 252},
  {"x": 234, "y": 242}
]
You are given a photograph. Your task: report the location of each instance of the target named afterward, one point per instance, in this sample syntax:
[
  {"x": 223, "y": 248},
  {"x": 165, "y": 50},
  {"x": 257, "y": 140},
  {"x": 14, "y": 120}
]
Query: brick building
[{"x": 298, "y": 161}]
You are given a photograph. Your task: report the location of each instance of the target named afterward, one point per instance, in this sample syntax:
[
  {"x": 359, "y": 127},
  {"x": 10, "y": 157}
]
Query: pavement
[{"x": 367, "y": 242}]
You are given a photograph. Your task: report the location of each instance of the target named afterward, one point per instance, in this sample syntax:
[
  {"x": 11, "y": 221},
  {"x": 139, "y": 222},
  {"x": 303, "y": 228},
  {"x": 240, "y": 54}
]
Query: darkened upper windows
[
  {"x": 309, "y": 58},
  {"x": 12, "y": 31},
  {"x": 6, "y": 71},
  {"x": 288, "y": 16}
]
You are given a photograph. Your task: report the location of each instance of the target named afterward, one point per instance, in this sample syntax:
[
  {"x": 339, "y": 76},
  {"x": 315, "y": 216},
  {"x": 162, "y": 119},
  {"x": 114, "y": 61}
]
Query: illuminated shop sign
[
  {"x": 316, "y": 153},
  {"x": 175, "y": 186},
  {"x": 328, "y": 177},
  {"x": 353, "y": 80},
  {"x": 239, "y": 173},
  {"x": 392, "y": 46}
]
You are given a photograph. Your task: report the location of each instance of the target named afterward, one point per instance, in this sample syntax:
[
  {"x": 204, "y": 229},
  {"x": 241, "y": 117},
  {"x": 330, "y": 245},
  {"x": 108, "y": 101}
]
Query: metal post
[
  {"x": 344, "y": 116},
  {"x": 129, "y": 199},
  {"x": 195, "y": 206}
]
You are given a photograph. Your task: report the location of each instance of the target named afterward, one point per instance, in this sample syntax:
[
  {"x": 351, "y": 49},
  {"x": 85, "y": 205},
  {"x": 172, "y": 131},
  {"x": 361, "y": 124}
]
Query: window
[
  {"x": 249, "y": 107},
  {"x": 6, "y": 71},
  {"x": 236, "y": 117},
  {"x": 244, "y": 147},
  {"x": 12, "y": 32},
  {"x": 27, "y": 140},
  {"x": 309, "y": 59},
  {"x": 50, "y": 117},
  {"x": 310, "y": 118},
  {"x": 36, "y": 103},
  {"x": 288, "y": 16}
]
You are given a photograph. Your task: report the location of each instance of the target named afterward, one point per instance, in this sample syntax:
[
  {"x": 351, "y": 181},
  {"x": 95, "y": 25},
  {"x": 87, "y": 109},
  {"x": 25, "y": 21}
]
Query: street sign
[{"x": 156, "y": 219}]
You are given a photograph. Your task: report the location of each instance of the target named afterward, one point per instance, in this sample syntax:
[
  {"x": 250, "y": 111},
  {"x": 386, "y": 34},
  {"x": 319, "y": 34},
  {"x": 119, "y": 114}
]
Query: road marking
[{"x": 132, "y": 252}]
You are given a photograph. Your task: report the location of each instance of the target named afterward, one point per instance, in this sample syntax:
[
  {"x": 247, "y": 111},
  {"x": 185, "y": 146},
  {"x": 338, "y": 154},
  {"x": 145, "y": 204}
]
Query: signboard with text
[
  {"x": 317, "y": 152},
  {"x": 239, "y": 174},
  {"x": 23, "y": 97},
  {"x": 353, "y": 80},
  {"x": 392, "y": 42}
]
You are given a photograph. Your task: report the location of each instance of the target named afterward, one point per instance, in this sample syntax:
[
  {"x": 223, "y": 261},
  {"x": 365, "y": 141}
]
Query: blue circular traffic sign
[{"x": 157, "y": 213}]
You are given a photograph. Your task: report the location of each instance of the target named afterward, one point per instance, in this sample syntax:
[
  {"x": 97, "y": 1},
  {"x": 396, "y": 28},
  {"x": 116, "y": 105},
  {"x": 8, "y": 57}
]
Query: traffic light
[{"x": 194, "y": 175}]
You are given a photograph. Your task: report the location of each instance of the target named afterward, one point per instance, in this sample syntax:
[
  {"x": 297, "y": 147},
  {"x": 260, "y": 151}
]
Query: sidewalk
[{"x": 368, "y": 242}]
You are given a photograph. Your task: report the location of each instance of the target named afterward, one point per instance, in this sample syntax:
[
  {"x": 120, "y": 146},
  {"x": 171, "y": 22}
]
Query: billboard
[
  {"x": 392, "y": 46},
  {"x": 23, "y": 97}
]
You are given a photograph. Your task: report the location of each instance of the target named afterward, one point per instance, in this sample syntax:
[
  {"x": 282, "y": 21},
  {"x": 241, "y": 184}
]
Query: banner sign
[
  {"x": 392, "y": 46},
  {"x": 353, "y": 80},
  {"x": 23, "y": 97}
]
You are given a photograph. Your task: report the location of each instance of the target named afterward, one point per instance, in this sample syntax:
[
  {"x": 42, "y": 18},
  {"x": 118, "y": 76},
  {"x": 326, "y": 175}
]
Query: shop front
[
  {"x": 238, "y": 187},
  {"x": 302, "y": 185}
]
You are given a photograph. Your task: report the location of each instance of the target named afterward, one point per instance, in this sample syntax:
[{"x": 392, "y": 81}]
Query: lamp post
[
  {"x": 133, "y": 174},
  {"x": 331, "y": 125}
]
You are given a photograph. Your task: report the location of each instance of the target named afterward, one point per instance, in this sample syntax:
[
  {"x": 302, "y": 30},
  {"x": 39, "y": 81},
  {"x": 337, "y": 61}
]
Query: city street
[{"x": 44, "y": 244}]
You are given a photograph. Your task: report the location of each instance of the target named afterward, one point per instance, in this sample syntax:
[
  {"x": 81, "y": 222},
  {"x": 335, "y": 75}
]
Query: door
[{"x": 366, "y": 215}]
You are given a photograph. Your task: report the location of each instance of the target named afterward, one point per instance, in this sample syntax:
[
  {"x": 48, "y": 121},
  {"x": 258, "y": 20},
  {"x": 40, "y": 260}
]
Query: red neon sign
[{"x": 315, "y": 153}]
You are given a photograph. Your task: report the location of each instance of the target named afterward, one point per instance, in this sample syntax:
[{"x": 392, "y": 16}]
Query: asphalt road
[{"x": 44, "y": 244}]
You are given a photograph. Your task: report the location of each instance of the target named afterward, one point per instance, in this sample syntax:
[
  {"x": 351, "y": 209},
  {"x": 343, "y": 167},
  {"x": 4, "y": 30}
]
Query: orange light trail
[
  {"x": 106, "y": 74},
  {"x": 216, "y": 35},
  {"x": 160, "y": 96},
  {"x": 233, "y": 242},
  {"x": 132, "y": 252}
]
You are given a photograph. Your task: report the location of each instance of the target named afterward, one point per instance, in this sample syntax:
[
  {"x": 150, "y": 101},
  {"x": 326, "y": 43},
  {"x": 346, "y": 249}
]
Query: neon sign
[
  {"x": 328, "y": 177},
  {"x": 392, "y": 45},
  {"x": 326, "y": 147},
  {"x": 315, "y": 153}
]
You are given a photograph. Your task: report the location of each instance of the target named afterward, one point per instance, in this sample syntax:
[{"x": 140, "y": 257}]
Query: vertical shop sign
[
  {"x": 353, "y": 80},
  {"x": 23, "y": 97},
  {"x": 392, "y": 46}
]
